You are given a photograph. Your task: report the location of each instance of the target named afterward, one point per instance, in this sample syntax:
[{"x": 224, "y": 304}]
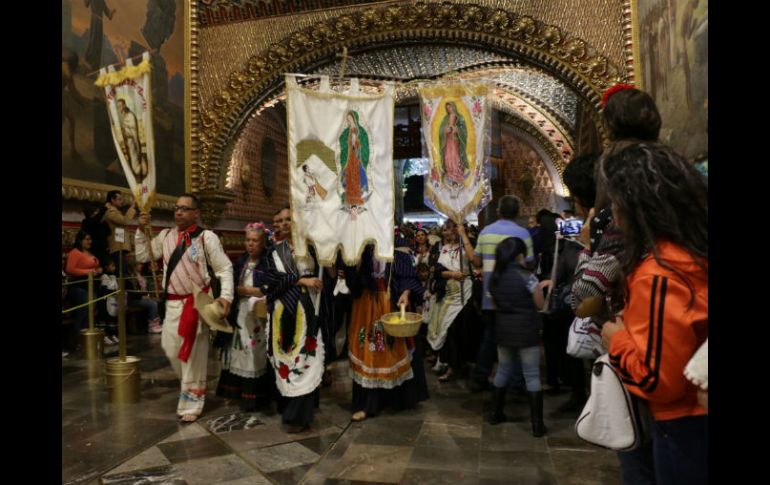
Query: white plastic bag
[{"x": 585, "y": 339}]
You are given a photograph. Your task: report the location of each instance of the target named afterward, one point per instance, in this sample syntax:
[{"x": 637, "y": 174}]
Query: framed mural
[
  {"x": 97, "y": 33},
  {"x": 672, "y": 40}
]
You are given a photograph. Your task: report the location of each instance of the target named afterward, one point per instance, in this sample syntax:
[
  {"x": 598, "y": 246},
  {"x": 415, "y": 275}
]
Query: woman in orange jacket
[{"x": 661, "y": 203}]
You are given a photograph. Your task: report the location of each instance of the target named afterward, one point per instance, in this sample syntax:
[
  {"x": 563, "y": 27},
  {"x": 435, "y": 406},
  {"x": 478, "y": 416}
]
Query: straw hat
[{"x": 210, "y": 311}]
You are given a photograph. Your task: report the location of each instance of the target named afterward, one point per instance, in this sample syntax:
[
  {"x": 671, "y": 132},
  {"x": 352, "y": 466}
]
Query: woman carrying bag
[{"x": 660, "y": 202}]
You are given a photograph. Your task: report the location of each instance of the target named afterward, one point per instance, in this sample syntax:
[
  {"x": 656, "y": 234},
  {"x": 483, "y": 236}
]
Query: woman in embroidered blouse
[
  {"x": 245, "y": 373},
  {"x": 422, "y": 246},
  {"x": 453, "y": 287},
  {"x": 298, "y": 309}
]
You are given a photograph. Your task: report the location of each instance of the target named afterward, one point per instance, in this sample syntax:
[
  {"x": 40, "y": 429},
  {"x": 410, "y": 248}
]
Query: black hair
[
  {"x": 79, "y": 239},
  {"x": 506, "y": 253},
  {"x": 508, "y": 207},
  {"x": 112, "y": 194},
  {"x": 632, "y": 113},
  {"x": 579, "y": 178},
  {"x": 195, "y": 199}
]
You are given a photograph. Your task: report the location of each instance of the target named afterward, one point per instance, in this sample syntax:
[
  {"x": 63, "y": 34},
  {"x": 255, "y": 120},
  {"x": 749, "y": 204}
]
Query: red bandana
[{"x": 185, "y": 234}]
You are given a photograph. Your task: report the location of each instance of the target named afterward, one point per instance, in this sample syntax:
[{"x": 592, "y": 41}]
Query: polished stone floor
[{"x": 444, "y": 440}]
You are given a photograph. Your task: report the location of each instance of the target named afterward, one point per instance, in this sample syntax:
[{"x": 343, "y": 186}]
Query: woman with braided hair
[{"x": 660, "y": 202}]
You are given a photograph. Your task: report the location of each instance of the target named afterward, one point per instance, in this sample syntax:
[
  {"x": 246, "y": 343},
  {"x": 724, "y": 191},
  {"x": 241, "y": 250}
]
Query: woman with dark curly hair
[{"x": 660, "y": 202}]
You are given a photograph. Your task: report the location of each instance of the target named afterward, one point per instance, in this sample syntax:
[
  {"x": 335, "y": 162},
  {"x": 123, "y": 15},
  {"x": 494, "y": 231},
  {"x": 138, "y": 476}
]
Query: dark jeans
[
  {"x": 678, "y": 454},
  {"x": 77, "y": 296},
  {"x": 487, "y": 354}
]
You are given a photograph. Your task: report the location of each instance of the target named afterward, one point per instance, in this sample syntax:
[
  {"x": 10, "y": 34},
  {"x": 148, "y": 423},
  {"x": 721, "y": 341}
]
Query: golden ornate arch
[{"x": 584, "y": 68}]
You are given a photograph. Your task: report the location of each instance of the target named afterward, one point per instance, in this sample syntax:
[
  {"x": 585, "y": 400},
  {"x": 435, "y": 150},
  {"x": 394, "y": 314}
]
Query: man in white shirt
[{"x": 188, "y": 250}]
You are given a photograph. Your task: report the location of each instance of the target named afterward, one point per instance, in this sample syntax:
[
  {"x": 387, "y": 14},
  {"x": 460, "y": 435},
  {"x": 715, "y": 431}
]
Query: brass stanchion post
[
  {"x": 122, "y": 374},
  {"x": 91, "y": 302},
  {"x": 122, "y": 319},
  {"x": 91, "y": 340}
]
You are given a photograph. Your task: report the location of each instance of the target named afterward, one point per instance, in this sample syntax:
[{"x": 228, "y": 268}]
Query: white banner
[
  {"x": 129, "y": 105},
  {"x": 341, "y": 170},
  {"x": 455, "y": 129}
]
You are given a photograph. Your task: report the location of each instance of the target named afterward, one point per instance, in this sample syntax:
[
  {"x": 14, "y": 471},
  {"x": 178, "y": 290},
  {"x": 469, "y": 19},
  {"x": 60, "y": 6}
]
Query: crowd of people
[{"x": 631, "y": 255}]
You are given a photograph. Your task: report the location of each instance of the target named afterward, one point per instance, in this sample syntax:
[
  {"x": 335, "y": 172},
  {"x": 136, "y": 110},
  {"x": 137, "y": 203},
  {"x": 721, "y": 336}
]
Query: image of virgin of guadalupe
[
  {"x": 354, "y": 159},
  {"x": 453, "y": 137}
]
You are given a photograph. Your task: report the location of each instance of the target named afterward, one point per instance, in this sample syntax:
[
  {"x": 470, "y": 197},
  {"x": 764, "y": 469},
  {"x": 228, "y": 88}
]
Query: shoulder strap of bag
[
  {"x": 173, "y": 260},
  {"x": 212, "y": 276}
]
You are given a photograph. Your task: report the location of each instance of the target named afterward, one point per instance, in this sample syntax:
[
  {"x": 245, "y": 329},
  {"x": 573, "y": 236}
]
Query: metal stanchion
[
  {"x": 122, "y": 373},
  {"x": 91, "y": 339}
]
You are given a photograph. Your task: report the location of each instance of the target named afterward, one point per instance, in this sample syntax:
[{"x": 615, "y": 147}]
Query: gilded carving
[
  {"x": 497, "y": 22},
  {"x": 587, "y": 70},
  {"x": 346, "y": 27},
  {"x": 323, "y": 34},
  {"x": 300, "y": 41},
  {"x": 369, "y": 19},
  {"x": 445, "y": 16},
  {"x": 257, "y": 66},
  {"x": 596, "y": 67},
  {"x": 573, "y": 50},
  {"x": 523, "y": 28},
  {"x": 551, "y": 36},
  {"x": 471, "y": 19}
]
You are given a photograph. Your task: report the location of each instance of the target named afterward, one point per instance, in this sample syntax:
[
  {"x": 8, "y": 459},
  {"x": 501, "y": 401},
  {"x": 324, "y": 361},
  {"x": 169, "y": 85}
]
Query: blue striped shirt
[{"x": 489, "y": 238}]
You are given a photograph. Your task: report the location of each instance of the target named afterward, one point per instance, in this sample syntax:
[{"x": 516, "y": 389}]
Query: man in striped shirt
[{"x": 484, "y": 256}]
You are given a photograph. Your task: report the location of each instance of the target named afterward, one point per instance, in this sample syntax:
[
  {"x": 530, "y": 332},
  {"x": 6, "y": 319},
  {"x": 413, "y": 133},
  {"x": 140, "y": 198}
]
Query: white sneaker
[
  {"x": 64, "y": 354},
  {"x": 107, "y": 340},
  {"x": 115, "y": 340},
  {"x": 155, "y": 328}
]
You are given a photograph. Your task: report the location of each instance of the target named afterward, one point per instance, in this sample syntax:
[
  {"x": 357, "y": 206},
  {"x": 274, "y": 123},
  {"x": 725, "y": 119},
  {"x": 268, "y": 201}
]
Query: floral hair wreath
[
  {"x": 259, "y": 226},
  {"x": 614, "y": 89}
]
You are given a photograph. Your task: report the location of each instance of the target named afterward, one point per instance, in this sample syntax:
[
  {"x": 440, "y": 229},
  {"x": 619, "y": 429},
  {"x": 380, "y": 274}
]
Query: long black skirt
[
  {"x": 252, "y": 393},
  {"x": 405, "y": 396},
  {"x": 298, "y": 411}
]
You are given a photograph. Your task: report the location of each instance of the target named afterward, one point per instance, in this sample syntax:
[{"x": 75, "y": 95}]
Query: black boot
[
  {"x": 536, "y": 413},
  {"x": 496, "y": 414}
]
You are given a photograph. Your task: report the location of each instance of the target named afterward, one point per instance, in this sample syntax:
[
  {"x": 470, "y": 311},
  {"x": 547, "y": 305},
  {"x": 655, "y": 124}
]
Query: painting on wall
[
  {"x": 673, "y": 45},
  {"x": 98, "y": 33}
]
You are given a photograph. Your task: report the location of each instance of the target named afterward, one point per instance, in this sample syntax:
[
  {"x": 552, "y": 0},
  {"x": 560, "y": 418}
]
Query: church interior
[{"x": 219, "y": 116}]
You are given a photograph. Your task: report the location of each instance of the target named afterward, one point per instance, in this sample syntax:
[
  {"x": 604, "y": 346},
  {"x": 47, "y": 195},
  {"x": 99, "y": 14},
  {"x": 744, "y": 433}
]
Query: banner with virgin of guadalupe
[
  {"x": 340, "y": 146},
  {"x": 129, "y": 105},
  {"x": 456, "y": 141}
]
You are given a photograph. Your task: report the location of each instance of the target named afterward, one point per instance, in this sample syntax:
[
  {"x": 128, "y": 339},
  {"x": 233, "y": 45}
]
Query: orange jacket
[{"x": 662, "y": 332}]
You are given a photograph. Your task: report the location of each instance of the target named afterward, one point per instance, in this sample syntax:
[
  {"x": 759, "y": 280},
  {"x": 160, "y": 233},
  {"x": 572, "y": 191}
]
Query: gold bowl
[{"x": 401, "y": 324}]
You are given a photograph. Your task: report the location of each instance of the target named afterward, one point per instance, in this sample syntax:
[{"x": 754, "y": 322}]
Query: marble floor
[{"x": 444, "y": 440}]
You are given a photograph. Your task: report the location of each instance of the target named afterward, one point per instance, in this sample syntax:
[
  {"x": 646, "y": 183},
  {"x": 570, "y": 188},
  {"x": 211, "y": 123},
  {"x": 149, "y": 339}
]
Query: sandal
[
  {"x": 358, "y": 416},
  {"x": 446, "y": 376}
]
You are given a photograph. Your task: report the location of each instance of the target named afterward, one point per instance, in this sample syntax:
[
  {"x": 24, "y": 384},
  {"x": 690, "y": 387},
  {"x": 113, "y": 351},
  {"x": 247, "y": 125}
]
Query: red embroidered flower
[
  {"x": 311, "y": 344},
  {"x": 283, "y": 371}
]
